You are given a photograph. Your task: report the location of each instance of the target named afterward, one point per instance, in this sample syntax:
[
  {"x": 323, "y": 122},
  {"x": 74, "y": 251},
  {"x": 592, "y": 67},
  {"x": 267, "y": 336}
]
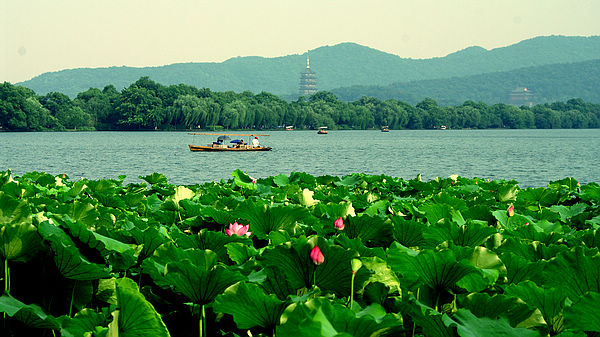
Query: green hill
[
  {"x": 549, "y": 83},
  {"x": 344, "y": 64}
]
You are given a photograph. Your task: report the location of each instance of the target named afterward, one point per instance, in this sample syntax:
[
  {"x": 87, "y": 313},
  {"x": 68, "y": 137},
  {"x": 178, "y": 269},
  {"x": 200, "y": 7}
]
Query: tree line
[{"x": 147, "y": 105}]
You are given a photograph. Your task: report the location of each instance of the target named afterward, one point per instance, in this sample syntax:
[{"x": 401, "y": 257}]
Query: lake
[{"x": 532, "y": 157}]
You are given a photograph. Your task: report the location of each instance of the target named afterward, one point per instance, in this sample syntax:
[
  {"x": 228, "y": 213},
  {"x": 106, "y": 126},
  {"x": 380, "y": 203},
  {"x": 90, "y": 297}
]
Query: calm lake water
[{"x": 532, "y": 157}]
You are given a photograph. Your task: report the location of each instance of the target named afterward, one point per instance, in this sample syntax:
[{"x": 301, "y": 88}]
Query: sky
[{"x": 38, "y": 36}]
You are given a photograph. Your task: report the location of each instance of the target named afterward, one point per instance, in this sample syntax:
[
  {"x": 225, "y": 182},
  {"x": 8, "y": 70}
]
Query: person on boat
[{"x": 255, "y": 142}]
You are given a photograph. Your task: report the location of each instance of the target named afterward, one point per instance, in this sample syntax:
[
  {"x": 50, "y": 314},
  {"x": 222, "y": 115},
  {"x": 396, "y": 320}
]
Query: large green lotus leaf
[
  {"x": 494, "y": 307},
  {"x": 68, "y": 259},
  {"x": 437, "y": 212},
  {"x": 150, "y": 239},
  {"x": 488, "y": 264},
  {"x": 583, "y": 315},
  {"x": 281, "y": 180},
  {"x": 510, "y": 223},
  {"x": 13, "y": 211},
  {"x": 137, "y": 317},
  {"x": 591, "y": 238},
  {"x": 538, "y": 197},
  {"x": 206, "y": 239},
  {"x": 239, "y": 252},
  {"x": 472, "y": 234},
  {"x": 519, "y": 269},
  {"x": 155, "y": 178},
  {"x": 358, "y": 245},
  {"x": 469, "y": 325},
  {"x": 264, "y": 219},
  {"x": 250, "y": 306},
  {"x": 181, "y": 193},
  {"x": 219, "y": 216},
  {"x": 322, "y": 317},
  {"x": 436, "y": 269},
  {"x": 306, "y": 198},
  {"x": 409, "y": 233},
  {"x": 431, "y": 322},
  {"x": 198, "y": 284},
  {"x": 105, "y": 245},
  {"x": 30, "y": 314},
  {"x": 574, "y": 272},
  {"x": 508, "y": 193},
  {"x": 567, "y": 212},
  {"x": 532, "y": 251},
  {"x": 590, "y": 192},
  {"x": 18, "y": 242},
  {"x": 85, "y": 322},
  {"x": 293, "y": 261},
  {"x": 550, "y": 301},
  {"x": 381, "y": 272},
  {"x": 242, "y": 179},
  {"x": 349, "y": 180},
  {"x": 303, "y": 179},
  {"x": 5, "y": 177},
  {"x": 84, "y": 212},
  {"x": 120, "y": 254},
  {"x": 334, "y": 210},
  {"x": 156, "y": 264},
  {"x": 371, "y": 230},
  {"x": 275, "y": 282}
]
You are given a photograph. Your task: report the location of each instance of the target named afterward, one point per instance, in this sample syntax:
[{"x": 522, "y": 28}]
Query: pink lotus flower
[
  {"x": 339, "y": 223},
  {"x": 316, "y": 256},
  {"x": 527, "y": 224},
  {"x": 237, "y": 229},
  {"x": 510, "y": 211},
  {"x": 254, "y": 181}
]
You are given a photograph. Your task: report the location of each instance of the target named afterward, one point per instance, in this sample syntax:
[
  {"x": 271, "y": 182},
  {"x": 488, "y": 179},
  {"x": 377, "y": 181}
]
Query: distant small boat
[
  {"x": 443, "y": 127},
  {"x": 322, "y": 130},
  {"x": 385, "y": 129},
  {"x": 289, "y": 128}
]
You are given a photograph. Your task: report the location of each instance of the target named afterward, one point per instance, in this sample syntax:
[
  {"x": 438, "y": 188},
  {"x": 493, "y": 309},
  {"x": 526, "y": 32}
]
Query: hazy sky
[{"x": 38, "y": 36}]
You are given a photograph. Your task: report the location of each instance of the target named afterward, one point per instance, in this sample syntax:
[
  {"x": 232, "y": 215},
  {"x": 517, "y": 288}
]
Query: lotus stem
[
  {"x": 414, "y": 324},
  {"x": 6, "y": 275},
  {"x": 202, "y": 324},
  {"x": 72, "y": 297},
  {"x": 352, "y": 289}
]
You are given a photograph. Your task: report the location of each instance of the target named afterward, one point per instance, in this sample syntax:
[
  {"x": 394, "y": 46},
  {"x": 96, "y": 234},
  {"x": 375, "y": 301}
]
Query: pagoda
[{"x": 308, "y": 80}]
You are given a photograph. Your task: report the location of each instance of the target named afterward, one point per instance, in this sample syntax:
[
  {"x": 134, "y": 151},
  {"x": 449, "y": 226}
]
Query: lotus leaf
[
  {"x": 496, "y": 306},
  {"x": 469, "y": 325},
  {"x": 550, "y": 302},
  {"x": 86, "y": 322},
  {"x": 250, "y": 306},
  {"x": 32, "y": 315},
  {"x": 136, "y": 316},
  {"x": 583, "y": 314},
  {"x": 69, "y": 261},
  {"x": 574, "y": 272},
  {"x": 264, "y": 219},
  {"x": 322, "y": 317}
]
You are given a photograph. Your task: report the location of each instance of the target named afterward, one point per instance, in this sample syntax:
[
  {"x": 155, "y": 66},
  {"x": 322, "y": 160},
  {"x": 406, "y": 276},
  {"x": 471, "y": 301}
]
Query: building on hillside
[
  {"x": 308, "y": 80},
  {"x": 520, "y": 96}
]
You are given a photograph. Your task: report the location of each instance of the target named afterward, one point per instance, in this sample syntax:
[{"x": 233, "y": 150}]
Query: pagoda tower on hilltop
[{"x": 308, "y": 80}]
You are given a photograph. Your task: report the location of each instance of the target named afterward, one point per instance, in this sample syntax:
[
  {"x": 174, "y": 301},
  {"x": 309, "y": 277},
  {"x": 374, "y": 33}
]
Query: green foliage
[{"x": 438, "y": 258}]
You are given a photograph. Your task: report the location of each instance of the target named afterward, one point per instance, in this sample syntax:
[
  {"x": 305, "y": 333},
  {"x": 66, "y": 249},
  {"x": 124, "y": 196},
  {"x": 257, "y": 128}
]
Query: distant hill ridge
[
  {"x": 344, "y": 64},
  {"x": 548, "y": 83}
]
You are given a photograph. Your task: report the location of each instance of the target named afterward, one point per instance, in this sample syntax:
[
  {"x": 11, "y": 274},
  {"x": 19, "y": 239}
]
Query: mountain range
[{"x": 344, "y": 65}]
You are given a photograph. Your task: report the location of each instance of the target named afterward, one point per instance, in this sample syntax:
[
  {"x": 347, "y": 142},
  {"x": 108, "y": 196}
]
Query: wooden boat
[
  {"x": 322, "y": 130},
  {"x": 222, "y": 147},
  {"x": 385, "y": 129}
]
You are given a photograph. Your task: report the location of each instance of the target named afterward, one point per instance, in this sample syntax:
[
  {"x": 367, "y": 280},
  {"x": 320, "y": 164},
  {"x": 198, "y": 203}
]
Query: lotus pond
[{"x": 298, "y": 255}]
